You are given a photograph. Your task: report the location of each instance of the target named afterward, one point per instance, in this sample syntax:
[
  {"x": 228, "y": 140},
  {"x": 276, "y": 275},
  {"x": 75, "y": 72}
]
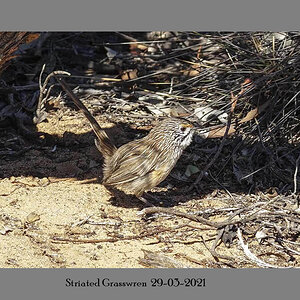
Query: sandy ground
[{"x": 49, "y": 192}]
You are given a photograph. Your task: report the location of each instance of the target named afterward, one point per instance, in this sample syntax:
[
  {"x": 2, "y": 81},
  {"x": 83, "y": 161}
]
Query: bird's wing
[{"x": 132, "y": 161}]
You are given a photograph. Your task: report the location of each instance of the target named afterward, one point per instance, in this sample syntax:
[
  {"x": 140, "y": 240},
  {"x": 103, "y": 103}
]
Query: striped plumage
[{"x": 141, "y": 164}]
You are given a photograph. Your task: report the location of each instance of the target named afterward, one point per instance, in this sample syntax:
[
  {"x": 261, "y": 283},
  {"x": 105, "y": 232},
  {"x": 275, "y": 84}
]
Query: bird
[{"x": 141, "y": 164}]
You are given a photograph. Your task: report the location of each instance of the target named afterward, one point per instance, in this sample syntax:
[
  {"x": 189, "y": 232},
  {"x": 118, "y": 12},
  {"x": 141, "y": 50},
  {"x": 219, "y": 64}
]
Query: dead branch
[
  {"x": 57, "y": 239},
  {"x": 254, "y": 258}
]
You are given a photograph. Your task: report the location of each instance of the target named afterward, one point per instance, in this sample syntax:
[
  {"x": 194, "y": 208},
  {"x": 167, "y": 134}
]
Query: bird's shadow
[{"x": 74, "y": 155}]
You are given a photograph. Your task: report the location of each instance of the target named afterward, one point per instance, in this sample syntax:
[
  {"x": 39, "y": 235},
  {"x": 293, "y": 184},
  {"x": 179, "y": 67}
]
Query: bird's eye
[{"x": 182, "y": 129}]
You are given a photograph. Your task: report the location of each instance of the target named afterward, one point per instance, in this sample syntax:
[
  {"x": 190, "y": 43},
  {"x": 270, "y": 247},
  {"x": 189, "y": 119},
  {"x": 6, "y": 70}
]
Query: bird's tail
[{"x": 103, "y": 143}]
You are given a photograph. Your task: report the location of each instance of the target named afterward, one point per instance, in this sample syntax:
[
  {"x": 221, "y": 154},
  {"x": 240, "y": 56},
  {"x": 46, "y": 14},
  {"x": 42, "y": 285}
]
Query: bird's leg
[{"x": 146, "y": 202}]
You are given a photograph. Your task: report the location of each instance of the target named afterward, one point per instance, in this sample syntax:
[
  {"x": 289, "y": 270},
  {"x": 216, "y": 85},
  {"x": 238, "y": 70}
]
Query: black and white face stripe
[
  {"x": 182, "y": 134},
  {"x": 186, "y": 134}
]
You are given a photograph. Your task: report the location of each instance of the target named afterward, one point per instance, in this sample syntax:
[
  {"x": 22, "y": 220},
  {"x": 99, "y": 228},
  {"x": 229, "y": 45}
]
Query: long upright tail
[{"x": 103, "y": 143}]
